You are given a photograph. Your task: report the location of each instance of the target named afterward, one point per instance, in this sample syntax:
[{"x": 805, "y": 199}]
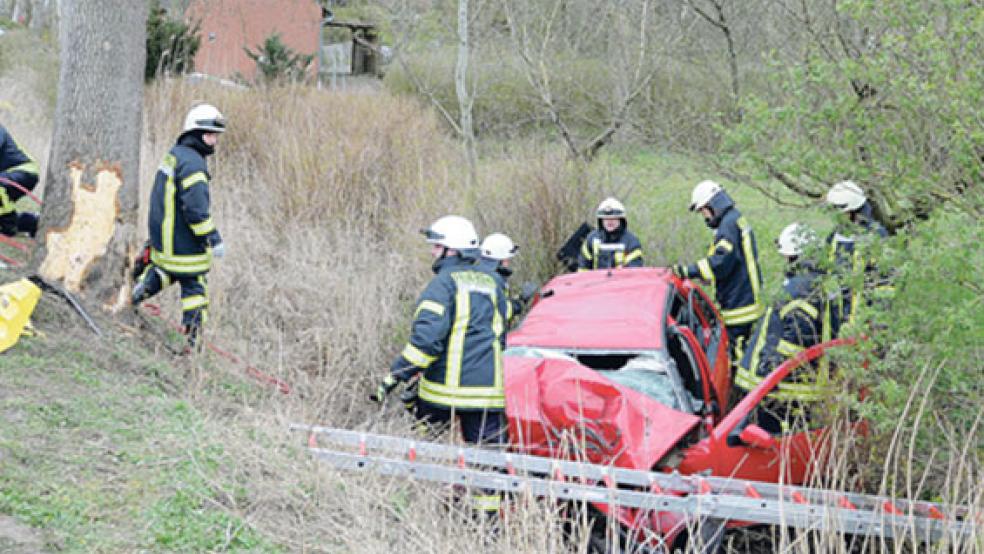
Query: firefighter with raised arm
[
  {"x": 731, "y": 264},
  {"x": 183, "y": 238},
  {"x": 18, "y": 173},
  {"x": 611, "y": 244},
  {"x": 455, "y": 344},
  {"x": 801, "y": 319},
  {"x": 850, "y": 247}
]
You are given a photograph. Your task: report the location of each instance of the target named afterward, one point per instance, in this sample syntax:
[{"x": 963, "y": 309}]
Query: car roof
[{"x": 618, "y": 310}]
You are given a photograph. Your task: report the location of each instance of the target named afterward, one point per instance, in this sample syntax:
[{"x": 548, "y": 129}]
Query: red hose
[
  {"x": 252, "y": 371},
  {"x": 21, "y": 188}
]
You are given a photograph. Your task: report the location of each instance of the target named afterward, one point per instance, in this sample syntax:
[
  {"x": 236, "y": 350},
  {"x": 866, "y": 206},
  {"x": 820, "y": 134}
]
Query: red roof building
[{"x": 227, "y": 26}]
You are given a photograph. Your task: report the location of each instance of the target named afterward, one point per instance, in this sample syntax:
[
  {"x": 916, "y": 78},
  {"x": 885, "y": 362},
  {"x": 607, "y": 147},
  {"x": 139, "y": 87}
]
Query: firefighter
[
  {"x": 497, "y": 252},
  {"x": 455, "y": 343},
  {"x": 183, "y": 237},
  {"x": 18, "y": 172},
  {"x": 731, "y": 264},
  {"x": 611, "y": 244},
  {"x": 800, "y": 320},
  {"x": 849, "y": 248}
]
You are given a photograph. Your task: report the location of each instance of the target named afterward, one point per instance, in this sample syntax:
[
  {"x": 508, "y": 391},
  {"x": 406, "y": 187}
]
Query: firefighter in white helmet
[
  {"x": 850, "y": 248},
  {"x": 455, "y": 343},
  {"x": 800, "y": 319},
  {"x": 183, "y": 237},
  {"x": 498, "y": 250},
  {"x": 731, "y": 264},
  {"x": 611, "y": 244}
]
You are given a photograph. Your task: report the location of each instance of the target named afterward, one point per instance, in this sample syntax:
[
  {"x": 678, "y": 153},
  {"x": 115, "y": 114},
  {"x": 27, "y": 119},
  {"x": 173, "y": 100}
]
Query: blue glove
[{"x": 218, "y": 250}]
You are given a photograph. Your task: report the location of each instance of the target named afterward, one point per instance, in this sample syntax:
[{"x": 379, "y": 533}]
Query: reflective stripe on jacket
[
  {"x": 180, "y": 225},
  {"x": 787, "y": 329},
  {"x": 594, "y": 256},
  {"x": 852, "y": 257},
  {"x": 456, "y": 338},
  {"x": 732, "y": 267}
]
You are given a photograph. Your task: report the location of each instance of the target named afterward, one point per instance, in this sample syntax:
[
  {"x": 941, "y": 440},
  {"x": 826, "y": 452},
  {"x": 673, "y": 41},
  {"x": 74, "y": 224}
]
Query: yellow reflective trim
[
  {"x": 725, "y": 244},
  {"x": 177, "y": 263},
  {"x": 635, "y": 254},
  {"x": 417, "y": 357},
  {"x": 595, "y": 246},
  {"x": 498, "y": 327},
  {"x": 193, "y": 179},
  {"x": 486, "y": 502},
  {"x": 203, "y": 227},
  {"x": 746, "y": 379},
  {"x": 167, "y": 222},
  {"x": 745, "y": 314},
  {"x": 704, "y": 267},
  {"x": 799, "y": 304},
  {"x": 763, "y": 332},
  {"x": 462, "y": 397},
  {"x": 193, "y": 302},
  {"x": 788, "y": 349},
  {"x": 456, "y": 340},
  {"x": 584, "y": 250},
  {"x": 430, "y": 306},
  {"x": 26, "y": 167},
  {"x": 750, "y": 263},
  {"x": 6, "y": 206}
]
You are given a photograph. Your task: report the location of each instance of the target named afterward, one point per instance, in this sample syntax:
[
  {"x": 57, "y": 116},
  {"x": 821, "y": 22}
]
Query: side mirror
[{"x": 757, "y": 437}]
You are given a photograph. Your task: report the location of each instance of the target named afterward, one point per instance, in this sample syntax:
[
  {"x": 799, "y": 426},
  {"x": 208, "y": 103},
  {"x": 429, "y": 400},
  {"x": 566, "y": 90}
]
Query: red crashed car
[{"x": 630, "y": 368}]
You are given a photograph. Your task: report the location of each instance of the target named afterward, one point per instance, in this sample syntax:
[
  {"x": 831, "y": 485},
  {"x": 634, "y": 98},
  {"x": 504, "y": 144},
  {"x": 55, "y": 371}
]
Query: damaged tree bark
[{"x": 91, "y": 189}]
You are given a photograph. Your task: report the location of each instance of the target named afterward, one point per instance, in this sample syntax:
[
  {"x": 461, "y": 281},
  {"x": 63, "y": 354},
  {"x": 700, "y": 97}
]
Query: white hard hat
[
  {"x": 794, "y": 239},
  {"x": 452, "y": 231},
  {"x": 610, "y": 207},
  {"x": 205, "y": 117},
  {"x": 846, "y": 196},
  {"x": 498, "y": 247},
  {"x": 703, "y": 192}
]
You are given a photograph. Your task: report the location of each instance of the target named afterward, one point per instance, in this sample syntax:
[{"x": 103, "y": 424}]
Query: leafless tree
[{"x": 90, "y": 209}]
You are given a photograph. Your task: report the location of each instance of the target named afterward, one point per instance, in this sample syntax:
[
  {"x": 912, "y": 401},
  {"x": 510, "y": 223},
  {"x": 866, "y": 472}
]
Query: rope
[{"x": 251, "y": 370}]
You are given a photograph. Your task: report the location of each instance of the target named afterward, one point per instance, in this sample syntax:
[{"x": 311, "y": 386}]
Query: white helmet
[
  {"x": 205, "y": 117},
  {"x": 794, "y": 239},
  {"x": 703, "y": 192},
  {"x": 452, "y": 231},
  {"x": 610, "y": 207},
  {"x": 846, "y": 196},
  {"x": 498, "y": 247}
]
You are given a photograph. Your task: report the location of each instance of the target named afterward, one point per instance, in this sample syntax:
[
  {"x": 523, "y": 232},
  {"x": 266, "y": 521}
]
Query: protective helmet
[
  {"x": 794, "y": 239},
  {"x": 846, "y": 196},
  {"x": 610, "y": 207},
  {"x": 703, "y": 192},
  {"x": 452, "y": 231},
  {"x": 498, "y": 247},
  {"x": 205, "y": 117}
]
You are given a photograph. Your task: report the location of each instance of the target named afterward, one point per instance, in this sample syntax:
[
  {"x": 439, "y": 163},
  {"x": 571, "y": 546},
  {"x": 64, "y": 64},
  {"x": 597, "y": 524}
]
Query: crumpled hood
[{"x": 559, "y": 408}]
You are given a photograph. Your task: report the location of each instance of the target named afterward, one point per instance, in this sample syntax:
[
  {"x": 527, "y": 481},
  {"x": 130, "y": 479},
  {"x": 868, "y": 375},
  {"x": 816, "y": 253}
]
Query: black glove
[
  {"x": 528, "y": 292},
  {"x": 384, "y": 388},
  {"x": 680, "y": 271},
  {"x": 409, "y": 396}
]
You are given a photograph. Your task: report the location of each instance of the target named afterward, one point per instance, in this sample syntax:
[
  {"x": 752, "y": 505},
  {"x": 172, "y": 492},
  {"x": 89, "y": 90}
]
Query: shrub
[
  {"x": 277, "y": 63},
  {"x": 171, "y": 43}
]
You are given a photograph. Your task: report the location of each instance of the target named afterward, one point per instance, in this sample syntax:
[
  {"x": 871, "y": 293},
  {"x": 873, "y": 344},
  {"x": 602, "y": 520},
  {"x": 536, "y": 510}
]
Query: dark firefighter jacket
[
  {"x": 514, "y": 306},
  {"x": 594, "y": 256},
  {"x": 732, "y": 264},
  {"x": 13, "y": 159},
  {"x": 801, "y": 321},
  {"x": 850, "y": 253},
  {"x": 181, "y": 227},
  {"x": 455, "y": 338}
]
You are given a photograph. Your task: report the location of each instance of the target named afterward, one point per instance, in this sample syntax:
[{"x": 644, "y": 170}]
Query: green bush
[
  {"x": 171, "y": 43},
  {"x": 278, "y": 63}
]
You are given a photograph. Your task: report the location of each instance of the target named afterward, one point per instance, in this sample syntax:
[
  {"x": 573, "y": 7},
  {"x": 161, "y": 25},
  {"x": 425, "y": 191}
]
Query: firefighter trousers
[{"x": 194, "y": 296}]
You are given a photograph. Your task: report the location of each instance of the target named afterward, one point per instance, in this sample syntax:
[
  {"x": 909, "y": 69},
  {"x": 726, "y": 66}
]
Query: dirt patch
[{"x": 17, "y": 538}]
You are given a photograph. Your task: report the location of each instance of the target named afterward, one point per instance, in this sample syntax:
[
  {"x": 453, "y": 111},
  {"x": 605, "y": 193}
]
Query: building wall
[{"x": 227, "y": 26}]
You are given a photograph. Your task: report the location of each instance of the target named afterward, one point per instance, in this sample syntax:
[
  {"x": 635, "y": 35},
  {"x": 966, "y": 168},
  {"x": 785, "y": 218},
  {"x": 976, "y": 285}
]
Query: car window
[{"x": 657, "y": 378}]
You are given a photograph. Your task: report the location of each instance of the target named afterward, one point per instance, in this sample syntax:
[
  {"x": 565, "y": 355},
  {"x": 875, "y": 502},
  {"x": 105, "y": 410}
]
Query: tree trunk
[
  {"x": 466, "y": 100},
  {"x": 90, "y": 210}
]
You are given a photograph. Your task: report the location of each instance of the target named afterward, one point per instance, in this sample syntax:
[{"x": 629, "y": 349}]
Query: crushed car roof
[{"x": 598, "y": 310}]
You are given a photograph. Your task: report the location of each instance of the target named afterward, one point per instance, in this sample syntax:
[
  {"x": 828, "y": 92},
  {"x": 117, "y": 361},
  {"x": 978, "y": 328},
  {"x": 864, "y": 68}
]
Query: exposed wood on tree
[{"x": 90, "y": 212}]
